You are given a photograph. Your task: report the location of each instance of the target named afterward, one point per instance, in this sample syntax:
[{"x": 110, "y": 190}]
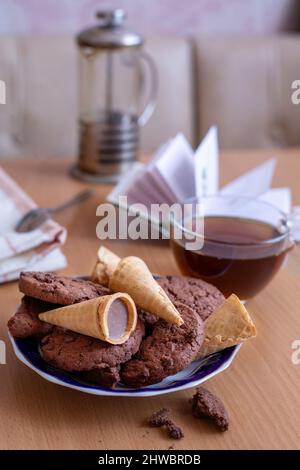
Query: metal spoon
[{"x": 36, "y": 217}]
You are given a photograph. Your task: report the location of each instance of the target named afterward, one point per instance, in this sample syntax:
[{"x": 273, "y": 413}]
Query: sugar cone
[
  {"x": 133, "y": 276},
  {"x": 229, "y": 325},
  {"x": 90, "y": 317},
  {"x": 106, "y": 263}
]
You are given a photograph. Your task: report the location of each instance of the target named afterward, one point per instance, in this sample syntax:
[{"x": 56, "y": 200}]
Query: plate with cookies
[{"x": 123, "y": 331}]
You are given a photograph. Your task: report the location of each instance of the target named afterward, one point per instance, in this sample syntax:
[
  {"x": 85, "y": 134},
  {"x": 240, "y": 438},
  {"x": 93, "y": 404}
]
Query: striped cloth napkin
[{"x": 38, "y": 250}]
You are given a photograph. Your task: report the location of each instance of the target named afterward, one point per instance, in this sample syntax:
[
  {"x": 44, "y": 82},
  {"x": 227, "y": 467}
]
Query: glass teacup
[{"x": 242, "y": 245}]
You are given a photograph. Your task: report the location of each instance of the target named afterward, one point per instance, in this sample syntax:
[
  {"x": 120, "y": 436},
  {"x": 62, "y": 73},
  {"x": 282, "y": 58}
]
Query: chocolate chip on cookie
[
  {"x": 204, "y": 298},
  {"x": 59, "y": 289},
  {"x": 207, "y": 405},
  {"x": 169, "y": 349}
]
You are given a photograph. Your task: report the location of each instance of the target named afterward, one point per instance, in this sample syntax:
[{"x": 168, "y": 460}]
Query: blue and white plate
[{"x": 195, "y": 374}]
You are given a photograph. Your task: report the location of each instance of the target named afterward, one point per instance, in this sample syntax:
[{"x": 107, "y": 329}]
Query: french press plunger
[{"x": 115, "y": 75}]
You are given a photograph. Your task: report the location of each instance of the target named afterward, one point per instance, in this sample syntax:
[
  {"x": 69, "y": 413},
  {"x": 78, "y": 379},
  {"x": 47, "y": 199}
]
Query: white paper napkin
[{"x": 32, "y": 251}]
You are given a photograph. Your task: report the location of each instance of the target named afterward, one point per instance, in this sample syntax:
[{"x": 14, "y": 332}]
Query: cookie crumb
[
  {"x": 207, "y": 405},
  {"x": 174, "y": 431},
  {"x": 161, "y": 418}
]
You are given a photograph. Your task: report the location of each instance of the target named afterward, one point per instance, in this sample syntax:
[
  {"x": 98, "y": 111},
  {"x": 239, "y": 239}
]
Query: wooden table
[{"x": 260, "y": 389}]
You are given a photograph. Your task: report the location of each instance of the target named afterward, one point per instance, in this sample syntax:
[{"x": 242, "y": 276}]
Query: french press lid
[{"x": 110, "y": 32}]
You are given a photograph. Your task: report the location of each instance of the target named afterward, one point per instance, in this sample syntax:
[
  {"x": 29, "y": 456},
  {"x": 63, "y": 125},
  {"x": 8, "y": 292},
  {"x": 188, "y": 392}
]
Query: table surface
[{"x": 260, "y": 388}]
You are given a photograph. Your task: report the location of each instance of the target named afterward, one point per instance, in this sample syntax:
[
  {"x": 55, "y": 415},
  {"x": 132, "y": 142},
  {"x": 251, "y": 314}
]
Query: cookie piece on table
[
  {"x": 159, "y": 418},
  {"x": 207, "y": 405},
  {"x": 174, "y": 431},
  {"x": 204, "y": 298},
  {"x": 162, "y": 419},
  {"x": 60, "y": 290},
  {"x": 72, "y": 351},
  {"x": 25, "y": 322},
  {"x": 169, "y": 349}
]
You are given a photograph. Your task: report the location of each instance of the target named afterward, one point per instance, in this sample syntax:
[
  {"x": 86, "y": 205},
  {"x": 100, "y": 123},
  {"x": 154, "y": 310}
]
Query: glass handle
[{"x": 151, "y": 102}]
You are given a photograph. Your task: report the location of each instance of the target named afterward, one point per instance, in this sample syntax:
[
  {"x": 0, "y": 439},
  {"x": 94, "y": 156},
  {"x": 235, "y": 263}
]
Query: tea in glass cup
[{"x": 244, "y": 243}]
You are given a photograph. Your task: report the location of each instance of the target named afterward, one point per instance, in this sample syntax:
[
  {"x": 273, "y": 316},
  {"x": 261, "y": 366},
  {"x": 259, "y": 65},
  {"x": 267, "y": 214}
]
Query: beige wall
[
  {"x": 243, "y": 85},
  {"x": 171, "y": 17}
]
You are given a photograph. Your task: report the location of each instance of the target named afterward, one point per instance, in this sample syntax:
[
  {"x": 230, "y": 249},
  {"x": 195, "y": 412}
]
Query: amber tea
[{"x": 239, "y": 255}]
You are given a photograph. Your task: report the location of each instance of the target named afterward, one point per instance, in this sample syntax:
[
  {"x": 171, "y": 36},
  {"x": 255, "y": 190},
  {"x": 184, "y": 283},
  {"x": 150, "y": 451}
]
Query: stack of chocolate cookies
[{"x": 156, "y": 348}]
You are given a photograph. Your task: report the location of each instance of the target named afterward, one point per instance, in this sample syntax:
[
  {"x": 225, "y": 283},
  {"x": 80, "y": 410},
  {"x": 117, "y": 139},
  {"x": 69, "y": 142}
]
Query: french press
[{"x": 115, "y": 75}]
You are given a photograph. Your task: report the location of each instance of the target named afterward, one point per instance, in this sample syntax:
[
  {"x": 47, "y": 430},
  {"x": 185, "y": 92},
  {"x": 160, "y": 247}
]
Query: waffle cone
[
  {"x": 133, "y": 276},
  {"x": 229, "y": 325},
  {"x": 106, "y": 263},
  {"x": 90, "y": 317}
]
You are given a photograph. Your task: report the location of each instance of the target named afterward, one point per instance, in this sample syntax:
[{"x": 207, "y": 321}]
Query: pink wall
[{"x": 153, "y": 16}]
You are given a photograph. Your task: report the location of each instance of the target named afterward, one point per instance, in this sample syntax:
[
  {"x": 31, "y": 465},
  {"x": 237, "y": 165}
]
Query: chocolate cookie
[
  {"x": 72, "y": 351},
  {"x": 59, "y": 289},
  {"x": 202, "y": 297},
  {"x": 166, "y": 351},
  {"x": 207, "y": 405},
  {"x": 26, "y": 322},
  {"x": 107, "y": 377},
  {"x": 148, "y": 318}
]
